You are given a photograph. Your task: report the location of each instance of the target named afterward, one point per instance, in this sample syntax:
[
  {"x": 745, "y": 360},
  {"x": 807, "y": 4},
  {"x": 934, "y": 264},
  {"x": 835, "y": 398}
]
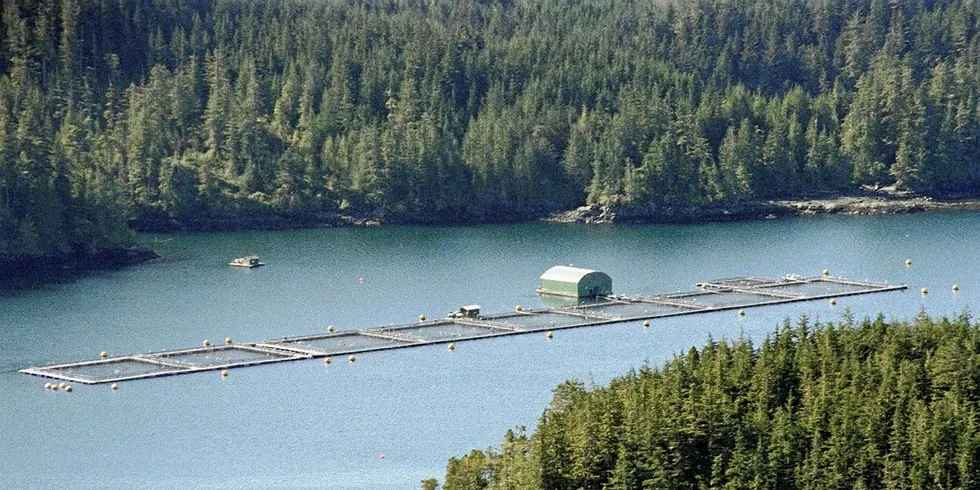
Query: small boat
[{"x": 249, "y": 262}]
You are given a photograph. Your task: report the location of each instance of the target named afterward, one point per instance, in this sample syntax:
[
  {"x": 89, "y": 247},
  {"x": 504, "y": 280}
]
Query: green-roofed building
[{"x": 574, "y": 282}]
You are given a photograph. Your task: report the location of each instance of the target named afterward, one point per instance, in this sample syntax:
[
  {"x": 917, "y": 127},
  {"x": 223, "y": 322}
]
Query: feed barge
[{"x": 602, "y": 308}]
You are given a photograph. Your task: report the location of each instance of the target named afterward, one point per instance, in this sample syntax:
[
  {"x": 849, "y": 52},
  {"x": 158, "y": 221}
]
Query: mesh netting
[
  {"x": 343, "y": 343},
  {"x": 112, "y": 369},
  {"x": 541, "y": 320},
  {"x": 721, "y": 300},
  {"x": 446, "y": 331},
  {"x": 743, "y": 282},
  {"x": 221, "y": 356},
  {"x": 819, "y": 288},
  {"x": 633, "y": 310}
]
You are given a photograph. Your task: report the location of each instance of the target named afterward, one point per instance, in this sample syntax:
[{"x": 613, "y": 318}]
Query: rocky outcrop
[
  {"x": 858, "y": 205},
  {"x": 872, "y": 203},
  {"x": 669, "y": 214}
]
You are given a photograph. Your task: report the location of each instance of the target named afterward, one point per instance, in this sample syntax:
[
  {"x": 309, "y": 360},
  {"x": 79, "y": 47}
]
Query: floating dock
[{"x": 718, "y": 295}]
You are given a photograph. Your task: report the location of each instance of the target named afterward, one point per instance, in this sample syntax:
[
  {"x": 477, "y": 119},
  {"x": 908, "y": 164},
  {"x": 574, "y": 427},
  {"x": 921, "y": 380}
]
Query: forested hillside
[
  {"x": 464, "y": 110},
  {"x": 849, "y": 406}
]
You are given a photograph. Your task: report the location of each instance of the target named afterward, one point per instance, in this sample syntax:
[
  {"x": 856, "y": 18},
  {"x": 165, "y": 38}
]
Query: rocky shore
[
  {"x": 864, "y": 204},
  {"x": 869, "y": 202}
]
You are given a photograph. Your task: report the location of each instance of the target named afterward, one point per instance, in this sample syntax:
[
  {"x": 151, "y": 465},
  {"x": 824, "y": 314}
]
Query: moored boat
[{"x": 249, "y": 262}]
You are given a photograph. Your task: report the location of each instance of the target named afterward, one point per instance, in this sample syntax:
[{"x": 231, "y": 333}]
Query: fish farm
[{"x": 603, "y": 308}]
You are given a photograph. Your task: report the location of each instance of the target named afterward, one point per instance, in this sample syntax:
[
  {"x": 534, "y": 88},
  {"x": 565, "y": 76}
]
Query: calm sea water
[{"x": 308, "y": 425}]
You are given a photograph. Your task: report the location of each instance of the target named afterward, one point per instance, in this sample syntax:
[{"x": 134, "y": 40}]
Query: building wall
[
  {"x": 560, "y": 287},
  {"x": 597, "y": 282}
]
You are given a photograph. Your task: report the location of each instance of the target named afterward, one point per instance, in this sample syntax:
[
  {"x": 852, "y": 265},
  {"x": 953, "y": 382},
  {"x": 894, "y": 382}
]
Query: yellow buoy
[
  {"x": 330, "y": 329},
  {"x": 908, "y": 261},
  {"x": 115, "y": 386},
  {"x": 956, "y": 288},
  {"x": 352, "y": 358},
  {"x": 224, "y": 373},
  {"x": 518, "y": 308},
  {"x": 833, "y": 302},
  {"x": 228, "y": 340},
  {"x": 68, "y": 388},
  {"x": 704, "y": 287},
  {"x": 207, "y": 343},
  {"x": 421, "y": 318},
  {"x": 452, "y": 346},
  {"x": 741, "y": 312},
  {"x": 551, "y": 334},
  {"x": 826, "y": 272},
  {"x": 925, "y": 291},
  {"x": 646, "y": 323},
  {"x": 326, "y": 360},
  {"x": 103, "y": 354}
]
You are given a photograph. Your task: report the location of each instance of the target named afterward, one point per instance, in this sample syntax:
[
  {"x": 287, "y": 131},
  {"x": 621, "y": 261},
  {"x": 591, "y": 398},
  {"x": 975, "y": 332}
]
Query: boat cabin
[{"x": 249, "y": 261}]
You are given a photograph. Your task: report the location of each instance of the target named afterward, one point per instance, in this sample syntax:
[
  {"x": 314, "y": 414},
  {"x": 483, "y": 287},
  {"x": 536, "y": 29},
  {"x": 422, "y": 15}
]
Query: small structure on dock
[
  {"x": 248, "y": 262},
  {"x": 574, "y": 282},
  {"x": 468, "y": 311}
]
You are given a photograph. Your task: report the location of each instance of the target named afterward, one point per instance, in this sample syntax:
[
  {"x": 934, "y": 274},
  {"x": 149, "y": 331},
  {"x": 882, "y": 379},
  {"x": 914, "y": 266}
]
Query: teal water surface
[{"x": 394, "y": 418}]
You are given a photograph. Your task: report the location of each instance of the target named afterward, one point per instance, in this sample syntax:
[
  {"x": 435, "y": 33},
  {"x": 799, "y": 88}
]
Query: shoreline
[
  {"x": 851, "y": 204},
  {"x": 15, "y": 268},
  {"x": 20, "y": 267},
  {"x": 866, "y": 203}
]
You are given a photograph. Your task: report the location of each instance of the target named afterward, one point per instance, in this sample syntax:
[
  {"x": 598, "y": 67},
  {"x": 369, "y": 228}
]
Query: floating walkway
[{"x": 723, "y": 294}]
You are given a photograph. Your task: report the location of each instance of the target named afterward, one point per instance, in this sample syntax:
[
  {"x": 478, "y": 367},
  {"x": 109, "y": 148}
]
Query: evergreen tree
[
  {"x": 871, "y": 405},
  {"x": 468, "y": 111}
]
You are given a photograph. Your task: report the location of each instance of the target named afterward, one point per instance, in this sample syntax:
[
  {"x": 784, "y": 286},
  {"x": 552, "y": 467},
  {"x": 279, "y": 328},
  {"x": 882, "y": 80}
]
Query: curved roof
[{"x": 565, "y": 273}]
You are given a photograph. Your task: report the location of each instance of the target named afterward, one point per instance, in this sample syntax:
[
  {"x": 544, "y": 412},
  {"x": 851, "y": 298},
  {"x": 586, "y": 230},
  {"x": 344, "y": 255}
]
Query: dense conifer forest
[
  {"x": 114, "y": 112},
  {"x": 847, "y": 406}
]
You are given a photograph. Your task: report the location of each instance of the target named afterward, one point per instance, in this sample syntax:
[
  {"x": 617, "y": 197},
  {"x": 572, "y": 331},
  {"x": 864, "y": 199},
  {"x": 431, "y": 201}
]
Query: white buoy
[
  {"x": 206, "y": 343},
  {"x": 224, "y": 373},
  {"x": 228, "y": 340},
  {"x": 741, "y": 312},
  {"x": 452, "y": 346},
  {"x": 421, "y": 318},
  {"x": 103, "y": 354},
  {"x": 115, "y": 386},
  {"x": 826, "y": 272},
  {"x": 908, "y": 261},
  {"x": 330, "y": 329},
  {"x": 925, "y": 291},
  {"x": 68, "y": 388},
  {"x": 47, "y": 386},
  {"x": 518, "y": 308},
  {"x": 326, "y": 360},
  {"x": 956, "y": 288},
  {"x": 551, "y": 335},
  {"x": 646, "y": 323},
  {"x": 833, "y": 302},
  {"x": 352, "y": 358}
]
